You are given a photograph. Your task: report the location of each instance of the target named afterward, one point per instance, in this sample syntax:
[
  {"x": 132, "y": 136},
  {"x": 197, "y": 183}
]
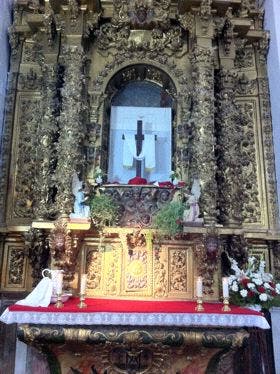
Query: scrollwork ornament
[
  {"x": 37, "y": 246},
  {"x": 30, "y": 81},
  {"x": 205, "y": 15},
  {"x": 236, "y": 247},
  {"x": 206, "y": 267},
  {"x": 94, "y": 268},
  {"x": 251, "y": 211},
  {"x": 187, "y": 21},
  {"x": 16, "y": 266},
  {"x": 244, "y": 54},
  {"x": 26, "y": 159},
  {"x": 178, "y": 271}
]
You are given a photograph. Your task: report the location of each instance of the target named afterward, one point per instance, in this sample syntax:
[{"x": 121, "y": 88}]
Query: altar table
[{"x": 135, "y": 313}]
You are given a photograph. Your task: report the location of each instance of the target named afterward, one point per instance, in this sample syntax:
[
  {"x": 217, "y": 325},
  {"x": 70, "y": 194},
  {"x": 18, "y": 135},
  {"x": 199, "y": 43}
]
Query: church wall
[{"x": 5, "y": 21}]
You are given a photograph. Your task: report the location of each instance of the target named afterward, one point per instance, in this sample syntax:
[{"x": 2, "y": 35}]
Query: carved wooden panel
[
  {"x": 252, "y": 167},
  {"x": 15, "y": 268},
  {"x": 180, "y": 272},
  {"x": 115, "y": 270},
  {"x": 22, "y": 200}
]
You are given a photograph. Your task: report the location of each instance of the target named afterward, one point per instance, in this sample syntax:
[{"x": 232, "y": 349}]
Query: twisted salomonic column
[
  {"x": 71, "y": 133},
  {"x": 203, "y": 164},
  {"x": 229, "y": 139},
  {"x": 47, "y": 129}
]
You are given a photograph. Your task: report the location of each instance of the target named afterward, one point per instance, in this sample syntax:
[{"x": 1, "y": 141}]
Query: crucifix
[{"x": 139, "y": 137}]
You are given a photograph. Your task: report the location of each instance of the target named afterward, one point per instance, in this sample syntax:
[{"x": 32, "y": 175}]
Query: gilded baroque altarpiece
[{"x": 68, "y": 61}]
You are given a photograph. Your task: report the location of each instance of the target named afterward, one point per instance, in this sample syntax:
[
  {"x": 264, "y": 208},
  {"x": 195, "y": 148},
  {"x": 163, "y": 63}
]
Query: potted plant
[
  {"x": 168, "y": 220},
  {"x": 103, "y": 210}
]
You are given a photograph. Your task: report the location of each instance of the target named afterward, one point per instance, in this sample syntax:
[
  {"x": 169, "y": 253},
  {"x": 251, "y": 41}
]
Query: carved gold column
[
  {"x": 228, "y": 132},
  {"x": 71, "y": 127},
  {"x": 71, "y": 131},
  {"x": 268, "y": 149},
  {"x": 47, "y": 129},
  {"x": 203, "y": 164}
]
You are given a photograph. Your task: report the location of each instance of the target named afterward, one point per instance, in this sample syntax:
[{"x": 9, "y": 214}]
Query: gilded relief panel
[
  {"x": 138, "y": 271},
  {"x": 21, "y": 201},
  {"x": 15, "y": 268},
  {"x": 254, "y": 206},
  {"x": 180, "y": 272},
  {"x": 93, "y": 269},
  {"x": 103, "y": 264},
  {"x": 114, "y": 269}
]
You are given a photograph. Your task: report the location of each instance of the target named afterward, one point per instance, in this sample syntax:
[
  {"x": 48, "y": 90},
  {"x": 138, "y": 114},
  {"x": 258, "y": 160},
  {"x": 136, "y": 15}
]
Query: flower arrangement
[{"x": 253, "y": 286}]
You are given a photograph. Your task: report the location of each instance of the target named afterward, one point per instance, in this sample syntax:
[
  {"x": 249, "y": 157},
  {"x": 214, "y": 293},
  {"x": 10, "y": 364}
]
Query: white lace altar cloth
[{"x": 135, "y": 319}]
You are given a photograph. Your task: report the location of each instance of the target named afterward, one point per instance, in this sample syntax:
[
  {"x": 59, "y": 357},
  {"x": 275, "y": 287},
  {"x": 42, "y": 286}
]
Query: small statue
[
  {"x": 191, "y": 214},
  {"x": 80, "y": 209}
]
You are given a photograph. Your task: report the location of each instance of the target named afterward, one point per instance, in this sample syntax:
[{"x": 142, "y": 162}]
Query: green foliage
[
  {"x": 169, "y": 219},
  {"x": 103, "y": 210}
]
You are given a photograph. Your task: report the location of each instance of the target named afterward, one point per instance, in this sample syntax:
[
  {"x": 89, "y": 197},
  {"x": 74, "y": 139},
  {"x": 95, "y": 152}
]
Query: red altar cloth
[
  {"x": 135, "y": 313},
  {"x": 134, "y": 306}
]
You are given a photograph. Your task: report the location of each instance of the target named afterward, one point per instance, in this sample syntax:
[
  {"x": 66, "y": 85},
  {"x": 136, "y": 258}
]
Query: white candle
[
  {"x": 59, "y": 283},
  {"x": 83, "y": 284},
  {"x": 199, "y": 287},
  {"x": 225, "y": 287}
]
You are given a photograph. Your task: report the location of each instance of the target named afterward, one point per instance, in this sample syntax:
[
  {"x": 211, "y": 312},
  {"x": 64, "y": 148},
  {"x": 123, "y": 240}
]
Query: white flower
[
  {"x": 277, "y": 288},
  {"x": 234, "y": 267},
  {"x": 251, "y": 286},
  {"x": 234, "y": 286},
  {"x": 257, "y": 281},
  {"x": 267, "y": 277},
  {"x": 251, "y": 260},
  {"x": 262, "y": 266},
  {"x": 243, "y": 293},
  {"x": 263, "y": 297},
  {"x": 267, "y": 285},
  {"x": 231, "y": 279},
  {"x": 98, "y": 179}
]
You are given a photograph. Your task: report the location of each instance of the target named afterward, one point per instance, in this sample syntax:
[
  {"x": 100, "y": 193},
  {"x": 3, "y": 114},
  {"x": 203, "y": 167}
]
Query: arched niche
[{"x": 146, "y": 93}]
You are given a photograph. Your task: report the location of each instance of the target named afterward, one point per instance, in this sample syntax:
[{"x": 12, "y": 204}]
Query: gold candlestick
[
  {"x": 226, "y": 307},
  {"x": 199, "y": 305},
  {"x": 59, "y": 303},
  {"x": 82, "y": 303}
]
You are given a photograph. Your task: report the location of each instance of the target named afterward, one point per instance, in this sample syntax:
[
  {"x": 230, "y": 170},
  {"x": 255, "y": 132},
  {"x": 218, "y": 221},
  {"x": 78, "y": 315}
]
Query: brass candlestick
[
  {"x": 226, "y": 307},
  {"x": 59, "y": 303},
  {"x": 82, "y": 303},
  {"x": 199, "y": 304}
]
